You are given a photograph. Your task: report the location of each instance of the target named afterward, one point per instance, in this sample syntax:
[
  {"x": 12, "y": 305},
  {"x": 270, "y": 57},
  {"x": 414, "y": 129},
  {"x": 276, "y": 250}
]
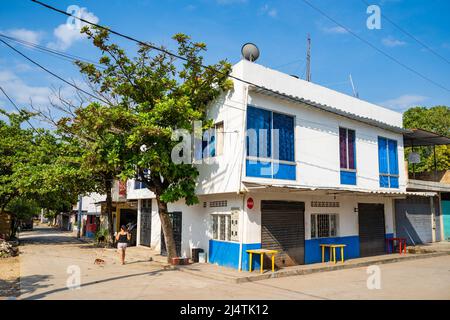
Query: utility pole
[
  {"x": 308, "y": 59},
  {"x": 355, "y": 93},
  {"x": 80, "y": 208}
]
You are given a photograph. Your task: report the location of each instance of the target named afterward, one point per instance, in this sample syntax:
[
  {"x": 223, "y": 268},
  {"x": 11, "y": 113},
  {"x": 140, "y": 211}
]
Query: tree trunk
[
  {"x": 167, "y": 229},
  {"x": 108, "y": 186}
]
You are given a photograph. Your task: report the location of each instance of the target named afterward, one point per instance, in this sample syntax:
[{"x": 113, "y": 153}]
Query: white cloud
[
  {"x": 22, "y": 93},
  {"x": 391, "y": 42},
  {"x": 404, "y": 102},
  {"x": 25, "y": 35},
  {"x": 335, "y": 30},
  {"x": 68, "y": 33},
  {"x": 267, "y": 10}
]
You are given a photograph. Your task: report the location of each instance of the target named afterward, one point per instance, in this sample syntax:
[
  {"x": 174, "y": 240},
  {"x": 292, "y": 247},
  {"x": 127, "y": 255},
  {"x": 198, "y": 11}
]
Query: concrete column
[
  {"x": 138, "y": 227},
  {"x": 433, "y": 220}
]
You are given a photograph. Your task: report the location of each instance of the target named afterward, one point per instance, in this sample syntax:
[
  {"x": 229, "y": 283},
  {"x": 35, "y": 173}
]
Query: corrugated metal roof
[
  {"x": 337, "y": 190},
  {"x": 323, "y": 107}
]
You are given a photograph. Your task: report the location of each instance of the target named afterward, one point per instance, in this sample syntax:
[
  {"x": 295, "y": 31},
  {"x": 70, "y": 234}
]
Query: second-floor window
[
  {"x": 388, "y": 163},
  {"x": 213, "y": 141},
  {"x": 270, "y": 145},
  {"x": 347, "y": 156}
]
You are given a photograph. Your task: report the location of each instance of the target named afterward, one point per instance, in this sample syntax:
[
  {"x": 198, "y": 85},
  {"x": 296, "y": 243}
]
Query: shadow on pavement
[{"x": 44, "y": 294}]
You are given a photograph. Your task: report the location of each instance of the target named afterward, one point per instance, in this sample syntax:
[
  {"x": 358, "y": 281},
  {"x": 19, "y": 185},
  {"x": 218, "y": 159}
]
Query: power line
[
  {"x": 411, "y": 36},
  {"x": 18, "y": 109},
  {"x": 65, "y": 56},
  {"x": 52, "y": 73},
  {"x": 373, "y": 46},
  {"x": 149, "y": 45},
  {"x": 231, "y": 76}
]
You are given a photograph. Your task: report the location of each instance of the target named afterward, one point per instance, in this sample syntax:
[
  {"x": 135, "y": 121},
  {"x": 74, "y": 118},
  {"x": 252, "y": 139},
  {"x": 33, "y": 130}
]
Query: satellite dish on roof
[{"x": 250, "y": 52}]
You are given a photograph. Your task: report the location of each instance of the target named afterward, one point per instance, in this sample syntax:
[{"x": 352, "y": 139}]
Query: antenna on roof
[
  {"x": 250, "y": 52},
  {"x": 355, "y": 93},
  {"x": 308, "y": 59}
]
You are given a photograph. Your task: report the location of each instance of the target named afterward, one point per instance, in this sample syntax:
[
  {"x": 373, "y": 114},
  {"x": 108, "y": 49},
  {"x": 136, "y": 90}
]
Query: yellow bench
[
  {"x": 332, "y": 251},
  {"x": 261, "y": 252}
]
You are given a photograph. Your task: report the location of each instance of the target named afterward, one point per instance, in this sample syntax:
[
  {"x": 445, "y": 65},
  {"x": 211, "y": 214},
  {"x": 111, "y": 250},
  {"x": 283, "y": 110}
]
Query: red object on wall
[
  {"x": 250, "y": 203},
  {"x": 122, "y": 188}
]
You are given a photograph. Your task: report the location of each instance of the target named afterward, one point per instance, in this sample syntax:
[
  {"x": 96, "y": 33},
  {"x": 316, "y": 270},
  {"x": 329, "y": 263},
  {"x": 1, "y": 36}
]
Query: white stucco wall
[
  {"x": 89, "y": 203},
  {"x": 348, "y": 218}
]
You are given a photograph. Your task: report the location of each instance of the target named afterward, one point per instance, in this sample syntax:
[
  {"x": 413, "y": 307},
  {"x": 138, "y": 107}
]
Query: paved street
[{"x": 47, "y": 254}]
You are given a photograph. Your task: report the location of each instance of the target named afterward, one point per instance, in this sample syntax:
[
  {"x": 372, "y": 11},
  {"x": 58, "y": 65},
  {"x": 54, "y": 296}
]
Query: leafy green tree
[
  {"x": 96, "y": 131},
  {"x": 435, "y": 119},
  {"x": 21, "y": 210},
  {"x": 15, "y": 146},
  {"x": 155, "y": 95}
]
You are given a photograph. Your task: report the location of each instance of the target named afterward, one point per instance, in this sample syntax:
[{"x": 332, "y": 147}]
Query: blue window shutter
[
  {"x": 393, "y": 157},
  {"x": 212, "y": 146},
  {"x": 258, "y": 119},
  {"x": 285, "y": 144},
  {"x": 382, "y": 155},
  {"x": 284, "y": 171}
]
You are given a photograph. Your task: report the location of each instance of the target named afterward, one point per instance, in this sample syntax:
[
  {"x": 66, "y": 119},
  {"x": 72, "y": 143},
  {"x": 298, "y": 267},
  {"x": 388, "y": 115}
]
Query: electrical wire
[
  {"x": 149, "y": 45},
  {"x": 373, "y": 46},
  {"x": 63, "y": 55},
  {"x": 411, "y": 36},
  {"x": 18, "y": 109},
  {"x": 52, "y": 73}
]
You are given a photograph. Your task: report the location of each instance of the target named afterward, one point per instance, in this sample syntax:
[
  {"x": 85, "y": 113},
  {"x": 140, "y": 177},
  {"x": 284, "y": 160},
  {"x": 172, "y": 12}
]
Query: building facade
[{"x": 288, "y": 165}]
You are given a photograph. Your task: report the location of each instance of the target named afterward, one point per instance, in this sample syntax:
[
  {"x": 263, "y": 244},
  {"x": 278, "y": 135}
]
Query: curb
[
  {"x": 299, "y": 272},
  {"x": 289, "y": 273}
]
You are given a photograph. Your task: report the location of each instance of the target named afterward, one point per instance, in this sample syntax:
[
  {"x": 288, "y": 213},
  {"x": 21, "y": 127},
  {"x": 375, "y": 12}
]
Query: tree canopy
[{"x": 435, "y": 119}]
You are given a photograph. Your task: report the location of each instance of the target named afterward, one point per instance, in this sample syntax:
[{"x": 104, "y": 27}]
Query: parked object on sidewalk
[
  {"x": 261, "y": 253},
  {"x": 195, "y": 254},
  {"x": 178, "y": 261},
  {"x": 9, "y": 249},
  {"x": 202, "y": 257},
  {"x": 332, "y": 248},
  {"x": 401, "y": 245}
]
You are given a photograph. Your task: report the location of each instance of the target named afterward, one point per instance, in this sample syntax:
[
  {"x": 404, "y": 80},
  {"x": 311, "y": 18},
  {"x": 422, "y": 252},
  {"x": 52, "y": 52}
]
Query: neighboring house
[
  {"x": 91, "y": 210},
  {"x": 330, "y": 173}
]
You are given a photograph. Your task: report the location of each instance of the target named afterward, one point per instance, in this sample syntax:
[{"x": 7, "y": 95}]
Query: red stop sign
[{"x": 250, "y": 203}]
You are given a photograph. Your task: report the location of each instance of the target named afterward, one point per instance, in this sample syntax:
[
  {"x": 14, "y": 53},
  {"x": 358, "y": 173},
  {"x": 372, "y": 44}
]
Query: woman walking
[{"x": 122, "y": 239}]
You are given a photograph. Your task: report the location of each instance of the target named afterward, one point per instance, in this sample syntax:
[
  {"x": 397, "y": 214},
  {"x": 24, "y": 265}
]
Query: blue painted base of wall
[
  {"x": 313, "y": 252},
  {"x": 226, "y": 254}
]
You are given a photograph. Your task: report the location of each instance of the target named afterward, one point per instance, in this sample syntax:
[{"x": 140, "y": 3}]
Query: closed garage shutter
[
  {"x": 413, "y": 219},
  {"x": 283, "y": 229},
  {"x": 371, "y": 229}
]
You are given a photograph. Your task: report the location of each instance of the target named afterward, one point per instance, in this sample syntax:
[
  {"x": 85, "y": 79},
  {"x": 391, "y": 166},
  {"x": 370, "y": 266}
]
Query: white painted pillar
[
  {"x": 138, "y": 227},
  {"x": 433, "y": 220}
]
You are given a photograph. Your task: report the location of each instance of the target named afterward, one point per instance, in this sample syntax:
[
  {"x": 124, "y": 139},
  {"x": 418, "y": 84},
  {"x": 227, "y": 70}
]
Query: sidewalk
[{"x": 234, "y": 276}]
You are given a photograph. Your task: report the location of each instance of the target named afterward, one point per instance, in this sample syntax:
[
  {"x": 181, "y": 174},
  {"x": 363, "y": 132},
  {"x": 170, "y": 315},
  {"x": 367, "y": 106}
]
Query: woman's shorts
[{"x": 121, "y": 245}]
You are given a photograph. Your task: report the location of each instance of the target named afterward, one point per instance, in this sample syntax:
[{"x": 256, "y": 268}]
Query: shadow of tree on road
[
  {"x": 44, "y": 294},
  {"x": 22, "y": 285}
]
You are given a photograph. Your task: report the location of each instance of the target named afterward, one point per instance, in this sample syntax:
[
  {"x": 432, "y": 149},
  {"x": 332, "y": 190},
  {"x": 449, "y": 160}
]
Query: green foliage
[
  {"x": 435, "y": 119},
  {"x": 154, "y": 95}
]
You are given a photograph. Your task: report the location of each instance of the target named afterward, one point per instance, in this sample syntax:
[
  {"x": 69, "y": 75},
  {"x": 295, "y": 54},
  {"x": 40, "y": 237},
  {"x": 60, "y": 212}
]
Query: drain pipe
[{"x": 242, "y": 218}]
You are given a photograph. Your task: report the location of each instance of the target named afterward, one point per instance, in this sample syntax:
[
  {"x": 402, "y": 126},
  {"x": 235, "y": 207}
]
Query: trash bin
[
  {"x": 195, "y": 253},
  {"x": 202, "y": 257}
]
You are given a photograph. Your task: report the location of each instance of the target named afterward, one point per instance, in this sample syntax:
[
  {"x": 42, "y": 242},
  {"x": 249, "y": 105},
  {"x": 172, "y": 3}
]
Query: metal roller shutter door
[
  {"x": 283, "y": 229},
  {"x": 413, "y": 220},
  {"x": 371, "y": 229}
]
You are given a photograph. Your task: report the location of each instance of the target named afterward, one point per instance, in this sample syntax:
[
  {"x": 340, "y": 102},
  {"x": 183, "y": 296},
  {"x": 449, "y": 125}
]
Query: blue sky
[{"x": 279, "y": 28}]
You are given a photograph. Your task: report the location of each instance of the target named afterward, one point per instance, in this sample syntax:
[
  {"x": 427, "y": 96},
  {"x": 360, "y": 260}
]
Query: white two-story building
[{"x": 290, "y": 165}]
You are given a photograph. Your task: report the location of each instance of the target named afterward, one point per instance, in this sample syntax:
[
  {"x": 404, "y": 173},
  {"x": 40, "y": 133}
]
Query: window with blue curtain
[
  {"x": 270, "y": 145},
  {"x": 347, "y": 156},
  {"x": 388, "y": 163}
]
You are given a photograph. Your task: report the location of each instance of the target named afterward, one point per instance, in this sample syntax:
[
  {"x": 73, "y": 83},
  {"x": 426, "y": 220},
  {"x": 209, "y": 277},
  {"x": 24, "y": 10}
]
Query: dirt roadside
[{"x": 9, "y": 277}]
